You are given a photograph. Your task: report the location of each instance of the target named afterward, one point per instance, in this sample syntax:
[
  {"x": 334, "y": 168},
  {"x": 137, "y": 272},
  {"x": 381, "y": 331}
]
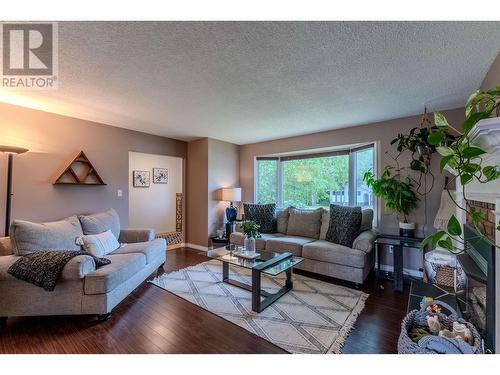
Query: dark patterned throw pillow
[
  {"x": 262, "y": 214},
  {"x": 344, "y": 224}
]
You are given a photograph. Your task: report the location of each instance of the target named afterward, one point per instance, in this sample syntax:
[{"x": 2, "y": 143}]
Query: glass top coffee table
[{"x": 269, "y": 263}]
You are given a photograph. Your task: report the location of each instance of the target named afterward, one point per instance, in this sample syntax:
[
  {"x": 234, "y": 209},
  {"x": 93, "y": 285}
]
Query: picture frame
[
  {"x": 160, "y": 175},
  {"x": 141, "y": 179}
]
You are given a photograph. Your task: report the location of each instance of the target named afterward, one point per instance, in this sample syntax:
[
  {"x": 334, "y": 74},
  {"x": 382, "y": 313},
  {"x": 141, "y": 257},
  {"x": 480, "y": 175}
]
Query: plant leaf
[
  {"x": 465, "y": 178},
  {"x": 440, "y": 120},
  {"x": 472, "y": 152},
  {"x": 445, "y": 151},
  {"x": 446, "y": 244},
  {"x": 454, "y": 227},
  {"x": 435, "y": 138},
  {"x": 444, "y": 161},
  {"x": 474, "y": 118}
]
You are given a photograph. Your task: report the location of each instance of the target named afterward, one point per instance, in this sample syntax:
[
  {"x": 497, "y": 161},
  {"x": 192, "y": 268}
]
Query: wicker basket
[
  {"x": 445, "y": 276},
  {"x": 434, "y": 344}
]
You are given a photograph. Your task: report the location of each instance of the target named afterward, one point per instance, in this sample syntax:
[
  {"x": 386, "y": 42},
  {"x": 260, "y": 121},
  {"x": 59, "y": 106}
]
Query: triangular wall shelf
[{"x": 79, "y": 172}]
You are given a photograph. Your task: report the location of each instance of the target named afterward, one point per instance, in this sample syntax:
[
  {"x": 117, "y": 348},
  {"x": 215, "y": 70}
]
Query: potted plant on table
[
  {"x": 251, "y": 230},
  {"x": 398, "y": 193}
]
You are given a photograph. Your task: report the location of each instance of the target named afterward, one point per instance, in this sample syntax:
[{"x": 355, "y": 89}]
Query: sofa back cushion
[
  {"x": 345, "y": 223},
  {"x": 101, "y": 222},
  {"x": 28, "y": 237},
  {"x": 262, "y": 214},
  {"x": 99, "y": 244},
  {"x": 282, "y": 216},
  {"x": 304, "y": 223}
]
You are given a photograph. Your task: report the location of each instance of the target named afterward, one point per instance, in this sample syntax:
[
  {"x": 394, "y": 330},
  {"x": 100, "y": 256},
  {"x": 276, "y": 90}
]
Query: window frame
[{"x": 351, "y": 151}]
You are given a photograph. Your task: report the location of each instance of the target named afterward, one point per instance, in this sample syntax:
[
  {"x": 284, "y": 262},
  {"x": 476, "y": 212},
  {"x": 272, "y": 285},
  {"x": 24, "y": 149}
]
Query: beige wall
[
  {"x": 212, "y": 164},
  {"x": 223, "y": 171},
  {"x": 154, "y": 207},
  {"x": 53, "y": 140},
  {"x": 382, "y": 133},
  {"x": 196, "y": 192},
  {"x": 492, "y": 78}
]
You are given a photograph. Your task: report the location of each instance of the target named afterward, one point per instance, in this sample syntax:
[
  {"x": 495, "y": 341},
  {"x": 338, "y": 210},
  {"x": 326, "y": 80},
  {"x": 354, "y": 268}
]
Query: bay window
[{"x": 316, "y": 180}]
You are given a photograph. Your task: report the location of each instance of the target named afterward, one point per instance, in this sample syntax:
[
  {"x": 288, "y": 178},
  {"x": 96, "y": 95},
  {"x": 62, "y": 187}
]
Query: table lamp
[
  {"x": 10, "y": 151},
  {"x": 230, "y": 195}
]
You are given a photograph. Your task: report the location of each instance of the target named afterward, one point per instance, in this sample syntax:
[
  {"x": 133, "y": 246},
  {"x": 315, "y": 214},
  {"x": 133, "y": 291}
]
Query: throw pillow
[
  {"x": 304, "y": 223},
  {"x": 344, "y": 224},
  {"x": 101, "y": 222},
  {"x": 325, "y": 224},
  {"x": 28, "y": 237},
  {"x": 262, "y": 214},
  {"x": 366, "y": 219},
  {"x": 282, "y": 219},
  {"x": 99, "y": 244}
]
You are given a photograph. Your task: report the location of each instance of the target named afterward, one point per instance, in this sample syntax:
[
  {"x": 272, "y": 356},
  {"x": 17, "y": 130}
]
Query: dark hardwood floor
[{"x": 152, "y": 320}]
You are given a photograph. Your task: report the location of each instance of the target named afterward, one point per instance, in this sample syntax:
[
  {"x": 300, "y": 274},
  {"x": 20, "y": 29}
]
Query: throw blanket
[{"x": 44, "y": 268}]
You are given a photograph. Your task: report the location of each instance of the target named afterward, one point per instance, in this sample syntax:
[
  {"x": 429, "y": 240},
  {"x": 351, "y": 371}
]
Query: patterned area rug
[{"x": 315, "y": 317}]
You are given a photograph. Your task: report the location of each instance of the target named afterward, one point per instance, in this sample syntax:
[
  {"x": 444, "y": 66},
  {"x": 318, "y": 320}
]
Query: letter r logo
[{"x": 27, "y": 49}]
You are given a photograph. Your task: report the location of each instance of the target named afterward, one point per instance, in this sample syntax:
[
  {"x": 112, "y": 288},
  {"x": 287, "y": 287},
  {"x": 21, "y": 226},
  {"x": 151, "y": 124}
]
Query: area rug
[{"x": 315, "y": 317}]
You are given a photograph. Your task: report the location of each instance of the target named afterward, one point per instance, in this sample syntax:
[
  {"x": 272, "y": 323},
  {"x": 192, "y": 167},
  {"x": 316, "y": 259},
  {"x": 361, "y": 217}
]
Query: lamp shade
[
  {"x": 13, "y": 149},
  {"x": 230, "y": 194}
]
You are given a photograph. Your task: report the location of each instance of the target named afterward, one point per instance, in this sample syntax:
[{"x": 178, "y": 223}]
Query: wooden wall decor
[
  {"x": 178, "y": 212},
  {"x": 79, "y": 172}
]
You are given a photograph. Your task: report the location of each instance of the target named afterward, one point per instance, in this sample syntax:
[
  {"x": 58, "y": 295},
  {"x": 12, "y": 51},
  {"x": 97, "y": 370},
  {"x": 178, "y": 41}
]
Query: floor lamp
[{"x": 10, "y": 151}]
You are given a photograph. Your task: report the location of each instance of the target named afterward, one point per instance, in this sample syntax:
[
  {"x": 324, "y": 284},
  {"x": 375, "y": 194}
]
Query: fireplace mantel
[{"x": 486, "y": 135}]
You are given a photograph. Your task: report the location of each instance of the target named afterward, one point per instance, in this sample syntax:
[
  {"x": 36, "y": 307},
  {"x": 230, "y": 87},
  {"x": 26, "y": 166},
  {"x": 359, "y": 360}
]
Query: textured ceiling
[{"x": 245, "y": 82}]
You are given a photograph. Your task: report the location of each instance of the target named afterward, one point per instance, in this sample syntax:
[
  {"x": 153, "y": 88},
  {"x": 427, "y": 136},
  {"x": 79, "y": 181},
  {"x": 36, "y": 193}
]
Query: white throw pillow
[{"x": 100, "y": 244}]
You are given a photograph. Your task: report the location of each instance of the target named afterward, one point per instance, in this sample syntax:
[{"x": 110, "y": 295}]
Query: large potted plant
[
  {"x": 398, "y": 194},
  {"x": 465, "y": 159}
]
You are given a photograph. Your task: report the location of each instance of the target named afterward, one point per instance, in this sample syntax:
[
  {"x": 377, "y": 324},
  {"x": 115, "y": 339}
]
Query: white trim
[
  {"x": 197, "y": 247},
  {"x": 176, "y": 246}
]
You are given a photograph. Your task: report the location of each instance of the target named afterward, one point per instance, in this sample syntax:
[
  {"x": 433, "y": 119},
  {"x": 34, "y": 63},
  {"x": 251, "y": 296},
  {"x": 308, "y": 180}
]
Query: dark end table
[
  {"x": 219, "y": 241},
  {"x": 398, "y": 243}
]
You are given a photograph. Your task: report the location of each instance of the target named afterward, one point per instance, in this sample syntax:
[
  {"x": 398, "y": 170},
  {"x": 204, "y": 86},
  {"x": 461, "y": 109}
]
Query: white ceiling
[{"x": 246, "y": 82}]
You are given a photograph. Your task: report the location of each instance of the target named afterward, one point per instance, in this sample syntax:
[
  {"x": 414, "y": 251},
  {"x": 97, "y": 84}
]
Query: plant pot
[
  {"x": 249, "y": 245},
  {"x": 407, "y": 230}
]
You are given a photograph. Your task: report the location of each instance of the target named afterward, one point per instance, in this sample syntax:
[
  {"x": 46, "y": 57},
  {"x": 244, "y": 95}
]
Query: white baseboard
[
  {"x": 176, "y": 246},
  {"x": 196, "y": 247},
  {"x": 406, "y": 271}
]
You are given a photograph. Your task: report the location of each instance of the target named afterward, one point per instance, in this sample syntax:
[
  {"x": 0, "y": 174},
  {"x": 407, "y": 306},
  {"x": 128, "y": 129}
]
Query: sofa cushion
[
  {"x": 329, "y": 252},
  {"x": 366, "y": 219},
  {"x": 99, "y": 244},
  {"x": 101, "y": 222},
  {"x": 325, "y": 223},
  {"x": 151, "y": 249},
  {"x": 107, "y": 278},
  {"x": 282, "y": 216},
  {"x": 344, "y": 224},
  {"x": 304, "y": 223},
  {"x": 6, "y": 246},
  {"x": 280, "y": 243},
  {"x": 364, "y": 241},
  {"x": 262, "y": 214},
  {"x": 28, "y": 237}
]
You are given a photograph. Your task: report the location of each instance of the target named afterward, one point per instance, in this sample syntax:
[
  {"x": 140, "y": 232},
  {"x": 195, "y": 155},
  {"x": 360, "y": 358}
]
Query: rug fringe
[{"x": 336, "y": 347}]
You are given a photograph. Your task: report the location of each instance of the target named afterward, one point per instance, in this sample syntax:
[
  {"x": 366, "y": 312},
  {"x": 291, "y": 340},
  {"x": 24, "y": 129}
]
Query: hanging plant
[{"x": 465, "y": 159}]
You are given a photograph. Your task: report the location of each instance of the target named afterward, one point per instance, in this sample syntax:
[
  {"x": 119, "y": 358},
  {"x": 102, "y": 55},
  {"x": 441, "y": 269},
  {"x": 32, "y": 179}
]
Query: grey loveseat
[
  {"x": 320, "y": 256},
  {"x": 81, "y": 289}
]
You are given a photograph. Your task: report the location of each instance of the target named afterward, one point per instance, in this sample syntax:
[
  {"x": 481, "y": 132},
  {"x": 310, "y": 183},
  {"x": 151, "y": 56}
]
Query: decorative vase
[
  {"x": 407, "y": 230},
  {"x": 249, "y": 244}
]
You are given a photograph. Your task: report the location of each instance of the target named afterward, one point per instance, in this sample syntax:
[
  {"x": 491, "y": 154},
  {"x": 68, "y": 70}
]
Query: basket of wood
[{"x": 430, "y": 331}]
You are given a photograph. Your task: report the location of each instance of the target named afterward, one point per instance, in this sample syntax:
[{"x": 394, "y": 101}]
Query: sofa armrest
[
  {"x": 75, "y": 269},
  {"x": 136, "y": 235},
  {"x": 364, "y": 241}
]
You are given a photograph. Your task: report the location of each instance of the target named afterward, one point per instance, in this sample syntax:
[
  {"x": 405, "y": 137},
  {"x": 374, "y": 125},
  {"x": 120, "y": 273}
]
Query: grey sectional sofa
[
  {"x": 320, "y": 256},
  {"x": 82, "y": 289}
]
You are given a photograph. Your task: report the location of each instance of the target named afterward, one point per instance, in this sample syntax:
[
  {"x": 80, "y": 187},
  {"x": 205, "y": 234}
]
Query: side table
[
  {"x": 398, "y": 243},
  {"x": 219, "y": 241}
]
